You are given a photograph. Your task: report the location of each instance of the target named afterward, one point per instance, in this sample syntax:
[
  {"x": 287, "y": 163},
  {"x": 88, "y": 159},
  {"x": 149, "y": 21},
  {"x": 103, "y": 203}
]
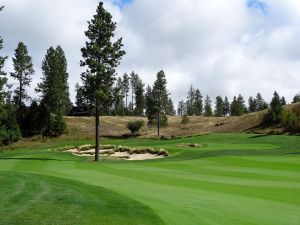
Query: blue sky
[
  {"x": 122, "y": 3},
  {"x": 258, "y": 5}
]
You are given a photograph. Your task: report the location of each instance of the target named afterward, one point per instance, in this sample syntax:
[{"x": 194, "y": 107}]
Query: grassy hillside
[
  {"x": 83, "y": 127},
  {"x": 236, "y": 179},
  {"x": 116, "y": 126}
]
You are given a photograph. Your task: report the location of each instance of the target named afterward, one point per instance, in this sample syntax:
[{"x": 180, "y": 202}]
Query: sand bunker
[{"x": 130, "y": 154}]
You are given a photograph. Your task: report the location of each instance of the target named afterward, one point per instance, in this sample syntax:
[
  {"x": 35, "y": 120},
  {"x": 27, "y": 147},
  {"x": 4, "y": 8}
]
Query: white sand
[
  {"x": 145, "y": 156},
  {"x": 119, "y": 155}
]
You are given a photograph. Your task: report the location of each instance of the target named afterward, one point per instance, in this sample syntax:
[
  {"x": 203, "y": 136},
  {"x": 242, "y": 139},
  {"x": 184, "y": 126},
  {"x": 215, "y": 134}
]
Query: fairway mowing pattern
[
  {"x": 35, "y": 199},
  {"x": 235, "y": 179}
]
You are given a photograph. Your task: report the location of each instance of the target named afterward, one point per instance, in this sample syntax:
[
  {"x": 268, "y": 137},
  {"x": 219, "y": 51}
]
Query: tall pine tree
[
  {"x": 150, "y": 106},
  {"x": 133, "y": 83},
  {"x": 126, "y": 89},
  {"x": 261, "y": 104},
  {"x": 139, "y": 97},
  {"x": 198, "y": 103},
  {"x": 237, "y": 106},
  {"x": 207, "y": 107},
  {"x": 191, "y": 101},
  {"x": 119, "y": 108},
  {"x": 226, "y": 111},
  {"x": 160, "y": 97},
  {"x": 54, "y": 87},
  {"x": 102, "y": 55},
  {"x": 3, "y": 78},
  {"x": 170, "y": 108},
  {"x": 181, "y": 108},
  {"x": 9, "y": 129},
  {"x": 23, "y": 70},
  {"x": 80, "y": 100},
  {"x": 219, "y": 106},
  {"x": 252, "y": 104},
  {"x": 296, "y": 98},
  {"x": 276, "y": 108}
]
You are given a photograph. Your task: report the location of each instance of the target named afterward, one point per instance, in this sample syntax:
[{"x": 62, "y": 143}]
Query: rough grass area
[
  {"x": 80, "y": 127},
  {"x": 236, "y": 179},
  {"x": 83, "y": 127}
]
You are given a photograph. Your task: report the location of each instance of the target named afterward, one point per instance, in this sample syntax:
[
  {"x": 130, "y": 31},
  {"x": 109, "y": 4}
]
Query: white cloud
[{"x": 221, "y": 47}]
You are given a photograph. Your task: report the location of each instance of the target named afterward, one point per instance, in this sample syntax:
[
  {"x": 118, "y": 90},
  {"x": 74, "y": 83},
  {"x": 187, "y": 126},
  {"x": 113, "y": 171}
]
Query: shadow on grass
[
  {"x": 260, "y": 136},
  {"x": 37, "y": 159}
]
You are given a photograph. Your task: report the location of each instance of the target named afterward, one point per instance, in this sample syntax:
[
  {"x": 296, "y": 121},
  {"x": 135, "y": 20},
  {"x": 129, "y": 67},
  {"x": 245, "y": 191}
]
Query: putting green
[{"x": 235, "y": 179}]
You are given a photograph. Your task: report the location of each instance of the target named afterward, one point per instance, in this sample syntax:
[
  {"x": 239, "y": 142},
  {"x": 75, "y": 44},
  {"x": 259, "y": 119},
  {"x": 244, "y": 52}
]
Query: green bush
[
  {"x": 135, "y": 126},
  {"x": 56, "y": 126}
]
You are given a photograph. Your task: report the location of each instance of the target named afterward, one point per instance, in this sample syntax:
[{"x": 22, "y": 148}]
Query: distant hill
[{"x": 83, "y": 127}]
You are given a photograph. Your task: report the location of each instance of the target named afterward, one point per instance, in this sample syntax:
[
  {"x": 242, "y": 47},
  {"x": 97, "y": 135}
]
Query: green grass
[
  {"x": 233, "y": 179},
  {"x": 35, "y": 199}
]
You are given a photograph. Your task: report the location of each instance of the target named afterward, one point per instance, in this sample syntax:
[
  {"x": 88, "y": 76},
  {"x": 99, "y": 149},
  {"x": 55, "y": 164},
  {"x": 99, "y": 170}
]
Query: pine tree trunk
[
  {"x": 158, "y": 123},
  {"x": 20, "y": 102},
  {"x": 132, "y": 102},
  {"x": 97, "y": 132}
]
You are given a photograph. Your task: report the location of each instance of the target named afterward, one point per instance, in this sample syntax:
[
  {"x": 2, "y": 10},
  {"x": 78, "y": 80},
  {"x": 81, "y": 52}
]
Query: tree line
[
  {"x": 197, "y": 105},
  {"x": 44, "y": 115},
  {"x": 129, "y": 97}
]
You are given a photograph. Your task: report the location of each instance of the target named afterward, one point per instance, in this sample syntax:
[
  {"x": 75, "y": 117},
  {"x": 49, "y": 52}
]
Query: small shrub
[
  {"x": 135, "y": 126},
  {"x": 185, "y": 120}
]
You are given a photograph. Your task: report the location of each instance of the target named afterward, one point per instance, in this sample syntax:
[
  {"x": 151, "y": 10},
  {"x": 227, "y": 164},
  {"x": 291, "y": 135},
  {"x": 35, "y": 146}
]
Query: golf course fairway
[{"x": 230, "y": 179}]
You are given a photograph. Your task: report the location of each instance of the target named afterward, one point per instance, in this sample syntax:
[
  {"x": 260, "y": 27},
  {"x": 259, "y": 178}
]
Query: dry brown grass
[{"x": 83, "y": 127}]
